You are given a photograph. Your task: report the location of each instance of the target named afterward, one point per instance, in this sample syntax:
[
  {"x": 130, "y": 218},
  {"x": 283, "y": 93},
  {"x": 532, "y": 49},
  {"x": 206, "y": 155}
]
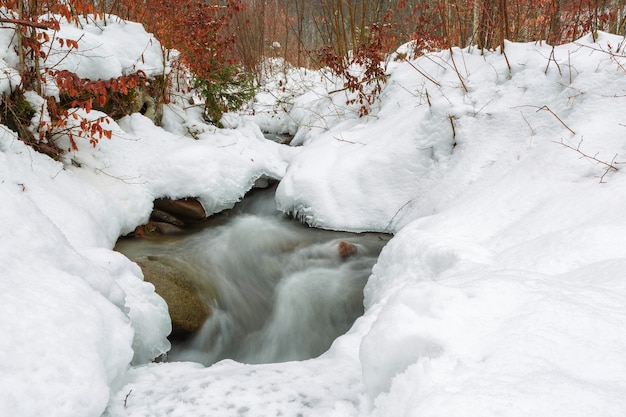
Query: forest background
[
  {"x": 299, "y": 30},
  {"x": 222, "y": 47}
]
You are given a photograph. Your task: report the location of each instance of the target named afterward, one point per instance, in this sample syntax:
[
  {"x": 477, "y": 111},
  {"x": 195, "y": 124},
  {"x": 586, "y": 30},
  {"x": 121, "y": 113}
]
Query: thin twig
[
  {"x": 386, "y": 229},
  {"x": 532, "y": 131},
  {"x": 65, "y": 54},
  {"x": 364, "y": 81},
  {"x": 457, "y": 71},
  {"x": 546, "y": 108},
  {"x": 506, "y": 59},
  {"x": 451, "y": 118},
  {"x": 553, "y": 58},
  {"x": 610, "y": 166},
  {"x": 429, "y": 78},
  {"x": 477, "y": 112},
  {"x": 126, "y": 398},
  {"x": 569, "y": 65},
  {"x": 612, "y": 55},
  {"x": 341, "y": 139},
  {"x": 124, "y": 180},
  {"x": 557, "y": 117},
  {"x": 465, "y": 63}
]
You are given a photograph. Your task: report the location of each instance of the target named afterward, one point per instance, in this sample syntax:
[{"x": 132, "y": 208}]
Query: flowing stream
[{"x": 278, "y": 290}]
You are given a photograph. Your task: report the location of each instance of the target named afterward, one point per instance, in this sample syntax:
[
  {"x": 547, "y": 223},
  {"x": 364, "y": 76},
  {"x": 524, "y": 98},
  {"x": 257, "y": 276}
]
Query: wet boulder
[
  {"x": 165, "y": 217},
  {"x": 171, "y": 217},
  {"x": 189, "y": 209},
  {"x": 187, "y": 307},
  {"x": 158, "y": 228}
]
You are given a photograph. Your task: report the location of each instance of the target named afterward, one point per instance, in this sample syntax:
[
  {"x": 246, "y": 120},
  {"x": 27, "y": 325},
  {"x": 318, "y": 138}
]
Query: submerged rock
[{"x": 346, "y": 249}]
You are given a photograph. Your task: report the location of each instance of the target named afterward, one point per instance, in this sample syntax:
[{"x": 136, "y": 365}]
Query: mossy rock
[
  {"x": 188, "y": 306},
  {"x": 138, "y": 100}
]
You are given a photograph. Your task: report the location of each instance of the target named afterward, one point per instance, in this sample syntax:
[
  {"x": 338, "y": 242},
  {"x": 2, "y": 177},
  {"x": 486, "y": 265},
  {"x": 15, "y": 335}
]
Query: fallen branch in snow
[
  {"x": 341, "y": 139},
  {"x": 129, "y": 180},
  {"x": 614, "y": 55},
  {"x": 557, "y": 117},
  {"x": 610, "y": 166},
  {"x": 386, "y": 229},
  {"x": 532, "y": 131},
  {"x": 126, "y": 398},
  {"x": 428, "y": 77},
  {"x": 477, "y": 112},
  {"x": 546, "y": 108},
  {"x": 419, "y": 95}
]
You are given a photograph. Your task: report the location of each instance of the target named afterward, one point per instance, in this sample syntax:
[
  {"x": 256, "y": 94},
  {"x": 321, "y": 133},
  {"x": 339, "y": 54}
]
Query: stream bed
[{"x": 277, "y": 290}]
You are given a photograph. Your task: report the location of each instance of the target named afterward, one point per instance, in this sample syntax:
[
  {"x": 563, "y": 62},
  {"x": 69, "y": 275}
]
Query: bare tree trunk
[
  {"x": 20, "y": 41},
  {"x": 485, "y": 23},
  {"x": 503, "y": 23},
  {"x": 475, "y": 18},
  {"x": 554, "y": 33}
]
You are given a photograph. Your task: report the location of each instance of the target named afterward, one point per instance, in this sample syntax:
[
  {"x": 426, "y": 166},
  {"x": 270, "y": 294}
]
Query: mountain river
[{"x": 278, "y": 290}]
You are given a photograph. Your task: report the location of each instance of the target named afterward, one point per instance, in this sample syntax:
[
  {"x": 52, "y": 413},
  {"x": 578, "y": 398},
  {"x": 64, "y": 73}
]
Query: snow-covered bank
[
  {"x": 502, "y": 292},
  {"x": 432, "y": 140},
  {"x": 74, "y": 314},
  {"x": 75, "y": 311},
  {"x": 71, "y": 307}
]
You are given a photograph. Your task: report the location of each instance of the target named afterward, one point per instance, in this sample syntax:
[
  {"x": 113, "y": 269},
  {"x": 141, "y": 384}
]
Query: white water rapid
[{"x": 278, "y": 290}]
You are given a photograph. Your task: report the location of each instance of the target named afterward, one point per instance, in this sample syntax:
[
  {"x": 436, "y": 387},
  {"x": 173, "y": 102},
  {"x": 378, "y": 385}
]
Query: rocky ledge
[{"x": 170, "y": 217}]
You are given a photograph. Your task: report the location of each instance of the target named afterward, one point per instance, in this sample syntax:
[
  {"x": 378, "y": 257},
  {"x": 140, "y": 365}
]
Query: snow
[
  {"x": 501, "y": 292},
  {"x": 104, "y": 50}
]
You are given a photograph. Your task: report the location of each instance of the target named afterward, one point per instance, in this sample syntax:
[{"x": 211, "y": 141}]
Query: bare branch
[
  {"x": 553, "y": 58},
  {"x": 613, "y": 55},
  {"x": 428, "y": 77},
  {"x": 386, "y": 229},
  {"x": 532, "y": 131},
  {"x": 610, "y": 166},
  {"x": 363, "y": 81},
  {"x": 128, "y": 180},
  {"x": 451, "y": 118},
  {"x": 126, "y": 398},
  {"x": 457, "y": 71},
  {"x": 28, "y": 23},
  {"x": 557, "y": 118},
  {"x": 341, "y": 139},
  {"x": 546, "y": 108}
]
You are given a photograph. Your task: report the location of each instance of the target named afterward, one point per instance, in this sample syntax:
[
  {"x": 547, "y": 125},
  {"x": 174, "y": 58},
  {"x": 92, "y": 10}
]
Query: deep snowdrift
[{"x": 502, "y": 292}]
